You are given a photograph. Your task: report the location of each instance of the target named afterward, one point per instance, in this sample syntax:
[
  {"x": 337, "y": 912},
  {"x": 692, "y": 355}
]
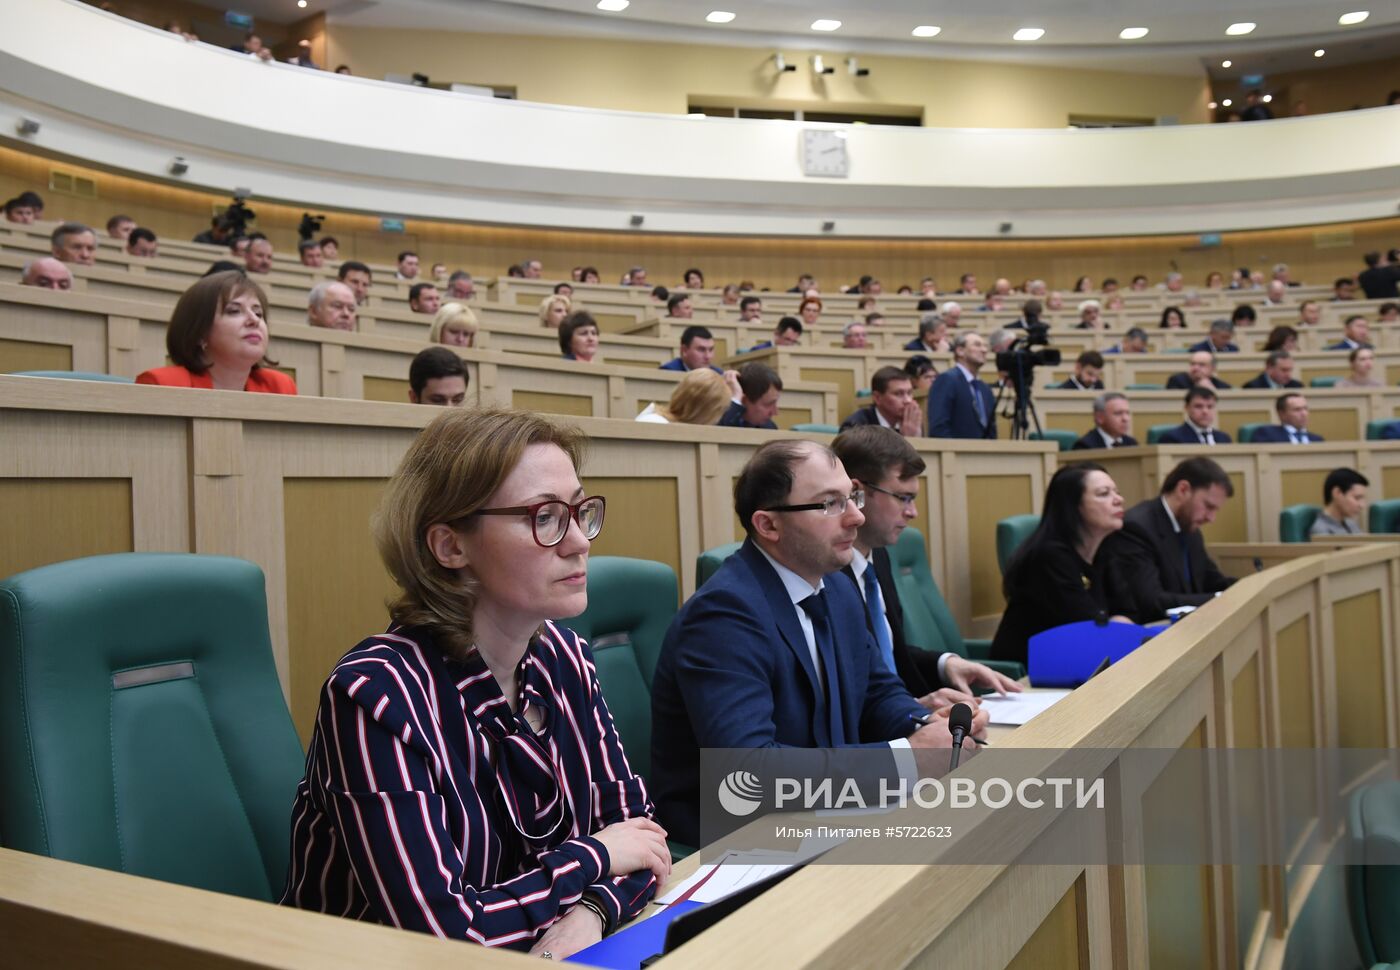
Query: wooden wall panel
[
  {"x": 386, "y": 389},
  {"x": 1060, "y": 942},
  {"x": 1358, "y": 649},
  {"x": 991, "y": 498},
  {"x": 643, "y": 519},
  {"x": 48, "y": 520},
  {"x": 18, "y": 355},
  {"x": 1232, "y": 521},
  {"x": 575, "y": 404},
  {"x": 1296, "y": 699}
]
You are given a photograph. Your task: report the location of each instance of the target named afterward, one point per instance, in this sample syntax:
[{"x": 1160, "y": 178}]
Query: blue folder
[
  {"x": 629, "y": 946},
  {"x": 1066, "y": 656}
]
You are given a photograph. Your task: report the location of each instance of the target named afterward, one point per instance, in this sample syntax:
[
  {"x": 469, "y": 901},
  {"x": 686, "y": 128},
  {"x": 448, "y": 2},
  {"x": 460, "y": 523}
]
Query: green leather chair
[
  {"x": 631, "y": 602},
  {"x": 1147, "y": 387},
  {"x": 1373, "y": 889},
  {"x": 709, "y": 561},
  {"x": 928, "y": 622},
  {"x": 1374, "y": 428},
  {"x": 1246, "y": 435},
  {"x": 1011, "y": 532},
  {"x": 142, "y": 724},
  {"x": 1323, "y": 381},
  {"x": 817, "y": 428},
  {"x": 1384, "y": 516},
  {"x": 1295, "y": 521},
  {"x": 1155, "y": 432},
  {"x": 75, "y": 375},
  {"x": 1065, "y": 439}
]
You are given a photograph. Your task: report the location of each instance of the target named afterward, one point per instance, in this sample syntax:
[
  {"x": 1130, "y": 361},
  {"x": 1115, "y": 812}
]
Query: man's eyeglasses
[
  {"x": 549, "y": 521},
  {"x": 831, "y": 506},
  {"x": 908, "y": 498}
]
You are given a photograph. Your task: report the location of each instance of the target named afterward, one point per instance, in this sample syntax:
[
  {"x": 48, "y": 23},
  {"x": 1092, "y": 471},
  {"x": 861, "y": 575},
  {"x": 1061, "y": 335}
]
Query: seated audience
[
  {"x": 729, "y": 296},
  {"x": 554, "y": 310},
  {"x": 1109, "y": 285},
  {"x": 788, "y": 333},
  {"x": 933, "y": 336},
  {"x": 1083, "y": 285},
  {"x": 1139, "y": 283},
  {"x": 805, "y": 282},
  {"x": 1055, "y": 301},
  {"x": 894, "y": 405},
  {"x": 461, "y": 286},
  {"x": 701, "y": 397},
  {"x": 1053, "y": 578},
  {"x": 142, "y": 242},
  {"x": 219, "y": 233},
  {"x": 1199, "y": 427},
  {"x": 637, "y": 276},
  {"x": 1172, "y": 319},
  {"x": 21, "y": 212},
  {"x": 951, "y": 312},
  {"x": 1090, "y": 315},
  {"x": 1277, "y": 374},
  {"x": 921, "y": 372},
  {"x": 439, "y": 377},
  {"x": 1158, "y": 560},
  {"x": 239, "y": 247},
  {"x": 454, "y": 324},
  {"x": 560, "y": 289},
  {"x": 1282, "y": 338},
  {"x": 439, "y": 271},
  {"x": 887, "y": 469},
  {"x": 532, "y": 269},
  {"x": 1113, "y": 419},
  {"x": 1343, "y": 501},
  {"x": 1292, "y": 429},
  {"x": 1030, "y": 315},
  {"x": 1133, "y": 342},
  {"x": 810, "y": 311},
  {"x": 751, "y": 309},
  {"x": 74, "y": 242},
  {"x": 119, "y": 227},
  {"x": 471, "y": 744},
  {"x": 1356, "y": 333},
  {"x": 589, "y": 274},
  {"x": 578, "y": 337},
  {"x": 659, "y": 294},
  {"x": 253, "y": 44},
  {"x": 407, "y": 266},
  {"x": 961, "y": 405},
  {"x": 760, "y": 389},
  {"x": 330, "y": 248},
  {"x": 1088, "y": 373},
  {"x": 424, "y": 298},
  {"x": 1344, "y": 288},
  {"x": 693, "y": 280},
  {"x": 331, "y": 305},
  {"x": 1221, "y": 339},
  {"x": 994, "y": 303},
  {"x": 309, "y": 251},
  {"x": 357, "y": 276},
  {"x": 772, "y": 650},
  {"x": 46, "y": 273},
  {"x": 1388, "y": 313},
  {"x": 679, "y": 307},
  {"x": 967, "y": 285},
  {"x": 1173, "y": 283},
  {"x": 1276, "y": 293},
  {"x": 1309, "y": 313},
  {"x": 1200, "y": 372},
  {"x": 1363, "y": 362},
  {"x": 855, "y": 336},
  {"x": 218, "y": 339},
  {"x": 1215, "y": 280},
  {"x": 258, "y": 257},
  {"x": 697, "y": 350},
  {"x": 1243, "y": 316},
  {"x": 222, "y": 266}
]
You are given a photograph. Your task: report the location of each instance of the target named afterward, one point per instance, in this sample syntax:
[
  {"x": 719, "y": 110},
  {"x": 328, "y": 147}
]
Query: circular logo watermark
[{"x": 740, "y": 793}]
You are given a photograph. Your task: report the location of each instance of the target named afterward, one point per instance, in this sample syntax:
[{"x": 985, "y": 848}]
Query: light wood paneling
[
  {"x": 1334, "y": 424},
  {"x": 643, "y": 519},
  {"x": 1179, "y": 897},
  {"x": 47, "y": 520},
  {"x": 1061, "y": 940},
  {"x": 1302, "y": 487},
  {"x": 386, "y": 389},
  {"x": 1232, "y": 521},
  {"x": 17, "y": 355},
  {"x": 1247, "y": 805},
  {"x": 575, "y": 404},
  {"x": 991, "y": 498},
  {"x": 1296, "y": 693},
  {"x": 845, "y": 387},
  {"x": 787, "y": 417},
  {"x": 1359, "y": 649}
]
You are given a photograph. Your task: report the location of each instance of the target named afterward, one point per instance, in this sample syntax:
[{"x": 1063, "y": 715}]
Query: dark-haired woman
[{"x": 1051, "y": 579}]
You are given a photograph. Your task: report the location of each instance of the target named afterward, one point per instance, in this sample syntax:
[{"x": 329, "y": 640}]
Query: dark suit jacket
[
  {"x": 917, "y": 346},
  {"x": 1144, "y": 567},
  {"x": 861, "y": 417},
  {"x": 951, "y": 413},
  {"x": 733, "y": 417},
  {"x": 1069, "y": 385},
  {"x": 1391, "y": 432},
  {"x": 1182, "y": 382},
  {"x": 1380, "y": 283},
  {"x": 676, "y": 363},
  {"x": 1055, "y": 588},
  {"x": 1344, "y": 345},
  {"x": 1273, "y": 434},
  {"x": 1207, "y": 345},
  {"x": 735, "y": 672},
  {"x": 1095, "y": 440},
  {"x": 1262, "y": 382},
  {"x": 1182, "y": 434},
  {"x": 916, "y": 666}
]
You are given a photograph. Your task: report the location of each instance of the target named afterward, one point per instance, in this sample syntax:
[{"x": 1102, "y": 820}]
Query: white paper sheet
[
  {"x": 1017, "y": 709},
  {"x": 733, "y": 872}
]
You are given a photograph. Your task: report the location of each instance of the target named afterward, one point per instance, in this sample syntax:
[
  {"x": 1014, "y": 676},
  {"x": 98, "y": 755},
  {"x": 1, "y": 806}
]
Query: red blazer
[{"x": 262, "y": 379}]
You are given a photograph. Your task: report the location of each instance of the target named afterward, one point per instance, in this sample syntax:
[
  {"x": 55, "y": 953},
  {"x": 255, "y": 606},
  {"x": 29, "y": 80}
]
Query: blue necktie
[
  {"x": 1186, "y": 561},
  {"x": 875, "y": 610},
  {"x": 815, "y": 605},
  {"x": 977, "y": 404}
]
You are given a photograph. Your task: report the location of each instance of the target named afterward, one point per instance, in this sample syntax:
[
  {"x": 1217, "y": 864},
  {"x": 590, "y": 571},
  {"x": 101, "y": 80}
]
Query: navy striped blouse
[{"x": 428, "y": 805}]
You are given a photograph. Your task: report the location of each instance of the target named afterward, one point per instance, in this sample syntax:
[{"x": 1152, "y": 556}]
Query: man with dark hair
[
  {"x": 1158, "y": 560},
  {"x": 805, "y": 282},
  {"x": 788, "y": 333},
  {"x": 461, "y": 286},
  {"x": 960, "y": 404},
  {"x": 967, "y": 285},
  {"x": 1277, "y": 374},
  {"x": 1088, "y": 373},
  {"x": 1309, "y": 313},
  {"x": 1199, "y": 427},
  {"x": 1200, "y": 372},
  {"x": 697, "y": 350},
  {"x": 438, "y": 376},
  {"x": 1113, "y": 419},
  {"x": 1356, "y": 333},
  {"x": 894, "y": 407},
  {"x": 1133, "y": 342},
  {"x": 760, "y": 389},
  {"x": 1343, "y": 288},
  {"x": 678, "y": 306},
  {"x": 772, "y": 650},
  {"x": 1243, "y": 315},
  {"x": 19, "y": 211},
  {"x": 357, "y": 276},
  {"x": 407, "y": 266},
  {"x": 1343, "y": 501},
  {"x": 74, "y": 242},
  {"x": 1220, "y": 340},
  {"x": 560, "y": 289},
  {"x": 219, "y": 233},
  {"x": 1292, "y": 429},
  {"x": 1380, "y": 280},
  {"x": 142, "y": 242},
  {"x": 751, "y": 309},
  {"x": 311, "y": 255},
  {"x": 887, "y": 468},
  {"x": 1254, "y": 107},
  {"x": 424, "y": 298},
  {"x": 119, "y": 227},
  {"x": 258, "y": 258}
]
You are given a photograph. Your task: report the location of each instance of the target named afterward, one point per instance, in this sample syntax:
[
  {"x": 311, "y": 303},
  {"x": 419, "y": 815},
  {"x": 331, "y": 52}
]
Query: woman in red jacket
[{"x": 218, "y": 339}]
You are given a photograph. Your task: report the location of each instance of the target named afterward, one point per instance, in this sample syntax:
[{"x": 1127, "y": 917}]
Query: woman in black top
[{"x": 1051, "y": 580}]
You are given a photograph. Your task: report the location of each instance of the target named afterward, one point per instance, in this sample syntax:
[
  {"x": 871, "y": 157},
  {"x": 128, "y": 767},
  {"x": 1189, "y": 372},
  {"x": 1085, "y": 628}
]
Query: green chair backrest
[
  {"x": 1295, "y": 521},
  {"x": 1065, "y": 439},
  {"x": 1375, "y": 427},
  {"x": 1011, "y": 532},
  {"x": 928, "y": 622},
  {"x": 1147, "y": 387},
  {"x": 1372, "y": 879},
  {"x": 1385, "y": 516},
  {"x": 75, "y": 375},
  {"x": 1155, "y": 432},
  {"x": 631, "y": 602},
  {"x": 142, "y": 723},
  {"x": 1324, "y": 381},
  {"x": 864, "y": 392},
  {"x": 709, "y": 561},
  {"x": 1247, "y": 431},
  {"x": 818, "y": 428}
]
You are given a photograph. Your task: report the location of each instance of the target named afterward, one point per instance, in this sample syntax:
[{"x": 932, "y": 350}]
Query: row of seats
[{"x": 1065, "y": 439}]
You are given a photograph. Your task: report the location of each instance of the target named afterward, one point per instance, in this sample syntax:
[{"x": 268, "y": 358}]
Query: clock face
[{"x": 824, "y": 154}]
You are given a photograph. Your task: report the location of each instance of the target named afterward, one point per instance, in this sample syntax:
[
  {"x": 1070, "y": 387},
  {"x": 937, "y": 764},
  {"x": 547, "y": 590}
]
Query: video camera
[
  {"x": 1021, "y": 358},
  {"x": 237, "y": 216},
  {"x": 310, "y": 225}
]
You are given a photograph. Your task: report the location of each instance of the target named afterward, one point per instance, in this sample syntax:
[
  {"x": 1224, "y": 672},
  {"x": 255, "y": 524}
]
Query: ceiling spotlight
[
  {"x": 1267, "y": 98},
  {"x": 1132, "y": 33},
  {"x": 1212, "y": 106},
  {"x": 819, "y": 66},
  {"x": 855, "y": 69},
  {"x": 178, "y": 165},
  {"x": 1227, "y": 102},
  {"x": 1319, "y": 52},
  {"x": 826, "y": 25},
  {"x": 1355, "y": 17},
  {"x": 927, "y": 31},
  {"x": 1029, "y": 33},
  {"x": 1226, "y": 63},
  {"x": 636, "y": 221},
  {"x": 1236, "y": 30},
  {"x": 301, "y": 4},
  {"x": 828, "y": 226},
  {"x": 27, "y": 127},
  {"x": 780, "y": 62},
  {"x": 614, "y": 6},
  {"x": 719, "y": 16}
]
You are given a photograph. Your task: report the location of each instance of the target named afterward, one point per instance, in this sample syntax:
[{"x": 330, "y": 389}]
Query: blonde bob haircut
[
  {"x": 701, "y": 397},
  {"x": 452, "y": 468},
  {"x": 453, "y": 315},
  {"x": 547, "y": 304}
]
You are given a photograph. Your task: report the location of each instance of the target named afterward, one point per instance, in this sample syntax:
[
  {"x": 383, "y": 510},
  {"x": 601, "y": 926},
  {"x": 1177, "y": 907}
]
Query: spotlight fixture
[
  {"x": 301, "y": 4},
  {"x": 1212, "y": 106},
  {"x": 719, "y": 16},
  {"x": 855, "y": 69},
  {"x": 636, "y": 220},
  {"x": 826, "y": 24},
  {"x": 1226, "y": 64},
  {"x": 178, "y": 165},
  {"x": 819, "y": 66},
  {"x": 828, "y": 226},
  {"x": 780, "y": 62},
  {"x": 1029, "y": 33},
  {"x": 614, "y": 6},
  {"x": 927, "y": 30},
  {"x": 1319, "y": 52},
  {"x": 1227, "y": 102},
  {"x": 1238, "y": 30},
  {"x": 1355, "y": 17},
  {"x": 1132, "y": 33},
  {"x": 27, "y": 127},
  {"x": 1267, "y": 98}
]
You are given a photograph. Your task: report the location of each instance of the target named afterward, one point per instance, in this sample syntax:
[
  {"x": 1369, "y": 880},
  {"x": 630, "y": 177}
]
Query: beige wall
[{"x": 635, "y": 76}]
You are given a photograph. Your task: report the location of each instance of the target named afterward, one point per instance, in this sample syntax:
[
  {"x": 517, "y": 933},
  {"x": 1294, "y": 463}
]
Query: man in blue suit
[
  {"x": 1199, "y": 427},
  {"x": 773, "y": 652},
  {"x": 1292, "y": 428},
  {"x": 1356, "y": 333},
  {"x": 1221, "y": 339},
  {"x": 697, "y": 350},
  {"x": 960, "y": 405}
]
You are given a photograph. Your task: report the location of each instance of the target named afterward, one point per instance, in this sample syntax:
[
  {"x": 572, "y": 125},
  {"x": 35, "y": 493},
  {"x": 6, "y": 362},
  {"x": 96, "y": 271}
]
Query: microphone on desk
[
  {"x": 959, "y": 723},
  {"x": 1258, "y": 565}
]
